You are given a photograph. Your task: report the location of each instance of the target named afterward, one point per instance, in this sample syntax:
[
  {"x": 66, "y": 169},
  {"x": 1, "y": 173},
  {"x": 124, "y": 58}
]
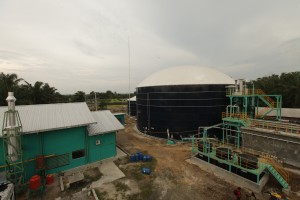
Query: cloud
[{"x": 83, "y": 45}]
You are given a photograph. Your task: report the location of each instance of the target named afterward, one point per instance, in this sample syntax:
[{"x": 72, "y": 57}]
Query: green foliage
[
  {"x": 101, "y": 195},
  {"x": 78, "y": 97},
  {"x": 287, "y": 85},
  {"x": 39, "y": 93}
]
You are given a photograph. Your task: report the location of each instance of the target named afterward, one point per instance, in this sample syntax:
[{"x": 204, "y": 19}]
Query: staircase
[
  {"x": 268, "y": 101},
  {"x": 278, "y": 176},
  {"x": 276, "y": 170}
]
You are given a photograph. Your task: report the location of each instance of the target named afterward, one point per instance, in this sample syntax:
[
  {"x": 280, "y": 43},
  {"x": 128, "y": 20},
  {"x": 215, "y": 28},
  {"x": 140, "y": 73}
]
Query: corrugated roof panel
[
  {"x": 46, "y": 117},
  {"x": 106, "y": 122}
]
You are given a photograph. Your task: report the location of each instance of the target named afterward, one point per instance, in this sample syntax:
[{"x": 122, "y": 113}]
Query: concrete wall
[
  {"x": 231, "y": 177},
  {"x": 285, "y": 146}
]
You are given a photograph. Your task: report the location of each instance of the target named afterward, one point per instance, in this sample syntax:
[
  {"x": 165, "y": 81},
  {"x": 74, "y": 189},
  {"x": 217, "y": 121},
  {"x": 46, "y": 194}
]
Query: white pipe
[{"x": 13, "y": 143}]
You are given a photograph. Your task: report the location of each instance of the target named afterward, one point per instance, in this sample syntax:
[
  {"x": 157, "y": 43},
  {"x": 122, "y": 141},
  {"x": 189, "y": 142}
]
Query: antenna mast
[{"x": 128, "y": 77}]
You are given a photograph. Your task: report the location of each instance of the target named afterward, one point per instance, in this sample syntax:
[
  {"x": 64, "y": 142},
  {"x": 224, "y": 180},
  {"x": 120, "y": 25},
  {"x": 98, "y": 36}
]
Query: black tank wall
[
  {"x": 181, "y": 108},
  {"x": 132, "y": 108}
]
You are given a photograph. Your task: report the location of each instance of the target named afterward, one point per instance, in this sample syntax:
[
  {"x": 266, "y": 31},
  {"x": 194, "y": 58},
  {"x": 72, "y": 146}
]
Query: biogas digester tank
[{"x": 178, "y": 100}]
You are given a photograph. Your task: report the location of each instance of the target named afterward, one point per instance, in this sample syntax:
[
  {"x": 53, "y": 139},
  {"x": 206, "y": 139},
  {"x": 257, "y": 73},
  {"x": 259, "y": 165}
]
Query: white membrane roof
[
  {"x": 187, "y": 75},
  {"x": 132, "y": 98}
]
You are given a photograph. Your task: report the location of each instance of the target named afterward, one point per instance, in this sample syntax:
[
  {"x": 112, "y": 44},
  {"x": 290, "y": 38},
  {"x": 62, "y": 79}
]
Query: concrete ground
[
  {"x": 110, "y": 173},
  {"x": 76, "y": 185}
]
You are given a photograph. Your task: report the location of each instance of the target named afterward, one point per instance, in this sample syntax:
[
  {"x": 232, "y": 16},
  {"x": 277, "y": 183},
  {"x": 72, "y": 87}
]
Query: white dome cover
[{"x": 186, "y": 75}]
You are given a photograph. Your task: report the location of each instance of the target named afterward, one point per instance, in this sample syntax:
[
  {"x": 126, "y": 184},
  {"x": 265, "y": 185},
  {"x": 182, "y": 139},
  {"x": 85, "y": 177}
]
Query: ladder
[{"x": 283, "y": 182}]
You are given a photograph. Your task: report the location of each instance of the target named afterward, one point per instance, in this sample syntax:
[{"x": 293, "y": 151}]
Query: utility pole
[
  {"x": 128, "y": 76},
  {"x": 96, "y": 104}
]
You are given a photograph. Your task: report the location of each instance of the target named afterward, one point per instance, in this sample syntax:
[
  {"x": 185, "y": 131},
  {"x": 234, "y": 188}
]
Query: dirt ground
[{"x": 174, "y": 178}]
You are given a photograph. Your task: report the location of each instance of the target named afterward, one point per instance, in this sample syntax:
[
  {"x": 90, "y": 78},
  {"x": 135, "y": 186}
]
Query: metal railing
[
  {"x": 264, "y": 158},
  {"x": 241, "y": 115},
  {"x": 234, "y": 157},
  {"x": 249, "y": 92},
  {"x": 267, "y": 158},
  {"x": 277, "y": 126}
]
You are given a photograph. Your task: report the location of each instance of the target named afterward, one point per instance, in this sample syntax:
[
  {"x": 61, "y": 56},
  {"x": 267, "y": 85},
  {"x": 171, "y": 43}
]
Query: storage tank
[
  {"x": 174, "y": 102},
  {"x": 131, "y": 105}
]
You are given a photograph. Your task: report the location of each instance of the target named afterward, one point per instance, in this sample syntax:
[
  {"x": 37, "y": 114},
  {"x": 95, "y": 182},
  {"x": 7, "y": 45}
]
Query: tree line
[
  {"x": 42, "y": 93},
  {"x": 286, "y": 84}
]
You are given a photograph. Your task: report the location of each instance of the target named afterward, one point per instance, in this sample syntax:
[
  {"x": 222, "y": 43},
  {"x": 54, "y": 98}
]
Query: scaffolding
[
  {"x": 12, "y": 143},
  {"x": 228, "y": 152},
  {"x": 234, "y": 161},
  {"x": 248, "y": 100}
]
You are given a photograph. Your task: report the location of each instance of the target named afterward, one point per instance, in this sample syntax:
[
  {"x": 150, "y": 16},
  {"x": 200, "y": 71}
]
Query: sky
[{"x": 80, "y": 45}]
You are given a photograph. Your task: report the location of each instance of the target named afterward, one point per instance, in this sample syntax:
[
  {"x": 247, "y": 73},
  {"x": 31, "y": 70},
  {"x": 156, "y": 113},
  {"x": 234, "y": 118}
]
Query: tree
[
  {"x": 287, "y": 85},
  {"x": 39, "y": 93},
  {"x": 79, "y": 96},
  {"x": 8, "y": 83}
]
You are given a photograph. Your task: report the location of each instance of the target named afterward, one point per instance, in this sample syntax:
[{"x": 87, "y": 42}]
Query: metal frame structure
[
  {"x": 15, "y": 172},
  {"x": 206, "y": 149},
  {"x": 243, "y": 109}
]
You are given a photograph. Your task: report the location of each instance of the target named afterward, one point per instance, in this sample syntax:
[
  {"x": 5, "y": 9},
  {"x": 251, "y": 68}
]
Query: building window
[{"x": 78, "y": 154}]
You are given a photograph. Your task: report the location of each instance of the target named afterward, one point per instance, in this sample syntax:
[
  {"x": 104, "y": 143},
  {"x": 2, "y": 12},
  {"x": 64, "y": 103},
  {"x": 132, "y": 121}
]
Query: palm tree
[
  {"x": 41, "y": 93},
  {"x": 10, "y": 81}
]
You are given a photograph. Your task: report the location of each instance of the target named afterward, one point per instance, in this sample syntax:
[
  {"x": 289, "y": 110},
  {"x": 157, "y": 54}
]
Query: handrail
[
  {"x": 270, "y": 160},
  {"x": 264, "y": 157},
  {"x": 277, "y": 126},
  {"x": 241, "y": 115},
  {"x": 247, "y": 91}
]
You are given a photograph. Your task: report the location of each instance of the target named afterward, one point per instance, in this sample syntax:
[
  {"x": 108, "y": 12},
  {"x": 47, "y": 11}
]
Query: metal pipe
[{"x": 12, "y": 147}]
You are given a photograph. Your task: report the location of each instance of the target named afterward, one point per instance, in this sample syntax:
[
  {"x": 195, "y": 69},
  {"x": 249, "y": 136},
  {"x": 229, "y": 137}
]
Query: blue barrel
[
  {"x": 132, "y": 158},
  {"x": 140, "y": 156},
  {"x": 146, "y": 170},
  {"x": 137, "y": 156},
  {"x": 145, "y": 158}
]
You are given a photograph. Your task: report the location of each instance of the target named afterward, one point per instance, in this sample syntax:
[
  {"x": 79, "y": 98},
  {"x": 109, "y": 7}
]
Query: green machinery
[
  {"x": 228, "y": 152},
  {"x": 246, "y": 103},
  {"x": 12, "y": 143}
]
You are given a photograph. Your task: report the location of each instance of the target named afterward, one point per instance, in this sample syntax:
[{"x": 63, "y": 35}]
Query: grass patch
[
  {"x": 134, "y": 171},
  {"x": 122, "y": 161},
  {"x": 92, "y": 174},
  {"x": 121, "y": 187},
  {"x": 101, "y": 195},
  {"x": 134, "y": 197}
]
